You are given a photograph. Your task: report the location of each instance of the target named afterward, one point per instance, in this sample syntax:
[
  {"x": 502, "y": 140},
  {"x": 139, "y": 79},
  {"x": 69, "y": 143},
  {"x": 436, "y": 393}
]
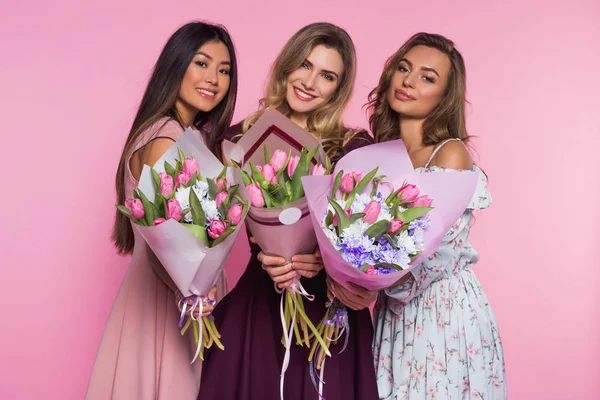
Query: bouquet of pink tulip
[
  {"x": 275, "y": 184},
  {"x": 278, "y": 217},
  {"x": 208, "y": 208},
  {"x": 373, "y": 232}
]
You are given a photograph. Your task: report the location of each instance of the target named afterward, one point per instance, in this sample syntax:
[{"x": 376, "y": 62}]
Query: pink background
[{"x": 72, "y": 74}]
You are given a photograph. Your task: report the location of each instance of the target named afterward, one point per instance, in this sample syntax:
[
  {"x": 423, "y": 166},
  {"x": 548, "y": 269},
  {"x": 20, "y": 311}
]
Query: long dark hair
[
  {"x": 447, "y": 120},
  {"x": 159, "y": 102}
]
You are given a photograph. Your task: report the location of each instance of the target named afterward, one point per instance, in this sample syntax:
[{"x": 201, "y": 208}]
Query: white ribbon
[
  {"x": 197, "y": 303},
  {"x": 288, "y": 333}
]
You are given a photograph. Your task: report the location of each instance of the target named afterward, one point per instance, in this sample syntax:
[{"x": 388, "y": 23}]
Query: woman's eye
[{"x": 201, "y": 64}]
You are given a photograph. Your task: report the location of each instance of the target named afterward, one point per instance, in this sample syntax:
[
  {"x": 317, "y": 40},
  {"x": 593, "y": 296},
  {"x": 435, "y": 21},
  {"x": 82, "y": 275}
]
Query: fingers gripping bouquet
[
  {"x": 271, "y": 158},
  {"x": 190, "y": 216},
  {"x": 376, "y": 220}
]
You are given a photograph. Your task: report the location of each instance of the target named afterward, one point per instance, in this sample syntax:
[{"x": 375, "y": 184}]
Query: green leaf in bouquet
[
  {"x": 159, "y": 202},
  {"x": 223, "y": 209},
  {"x": 169, "y": 170},
  {"x": 391, "y": 197},
  {"x": 267, "y": 157},
  {"x": 181, "y": 155},
  {"x": 342, "y": 217},
  {"x": 364, "y": 267},
  {"x": 376, "y": 181},
  {"x": 356, "y": 217},
  {"x": 256, "y": 174},
  {"x": 246, "y": 177},
  {"x": 311, "y": 154},
  {"x": 412, "y": 213},
  {"x": 233, "y": 190},
  {"x": 222, "y": 173},
  {"x": 388, "y": 266},
  {"x": 378, "y": 229},
  {"x": 390, "y": 240},
  {"x": 199, "y": 232},
  {"x": 288, "y": 189},
  {"x": 329, "y": 218},
  {"x": 223, "y": 236},
  {"x": 156, "y": 179},
  {"x": 268, "y": 199},
  {"x": 328, "y": 166},
  {"x": 148, "y": 208},
  {"x": 198, "y": 215},
  {"x": 300, "y": 171},
  {"x": 213, "y": 189},
  {"x": 125, "y": 211},
  {"x": 395, "y": 206},
  {"x": 337, "y": 183}
]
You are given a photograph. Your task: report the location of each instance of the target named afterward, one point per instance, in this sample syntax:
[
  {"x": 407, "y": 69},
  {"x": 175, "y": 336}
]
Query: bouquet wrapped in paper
[
  {"x": 189, "y": 215},
  {"x": 271, "y": 158},
  {"x": 376, "y": 219}
]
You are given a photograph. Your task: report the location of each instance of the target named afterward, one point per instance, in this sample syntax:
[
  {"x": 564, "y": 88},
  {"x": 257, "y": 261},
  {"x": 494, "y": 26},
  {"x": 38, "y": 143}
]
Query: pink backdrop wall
[{"x": 72, "y": 73}]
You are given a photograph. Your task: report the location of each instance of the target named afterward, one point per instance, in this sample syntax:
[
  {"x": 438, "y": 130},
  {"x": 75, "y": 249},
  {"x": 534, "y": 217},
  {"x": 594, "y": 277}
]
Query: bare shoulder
[
  {"x": 453, "y": 154},
  {"x": 149, "y": 154},
  {"x": 155, "y": 149}
]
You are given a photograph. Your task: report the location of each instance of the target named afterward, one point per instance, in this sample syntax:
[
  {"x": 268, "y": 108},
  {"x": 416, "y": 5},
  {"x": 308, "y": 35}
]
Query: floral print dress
[{"x": 436, "y": 336}]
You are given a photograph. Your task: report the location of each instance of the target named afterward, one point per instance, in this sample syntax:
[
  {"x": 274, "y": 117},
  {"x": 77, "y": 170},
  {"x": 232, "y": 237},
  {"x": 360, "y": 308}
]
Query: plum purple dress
[{"x": 249, "y": 320}]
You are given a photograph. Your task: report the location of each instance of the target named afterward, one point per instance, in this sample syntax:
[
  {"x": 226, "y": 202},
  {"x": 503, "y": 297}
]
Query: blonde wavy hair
[
  {"x": 447, "y": 120},
  {"x": 326, "y": 122}
]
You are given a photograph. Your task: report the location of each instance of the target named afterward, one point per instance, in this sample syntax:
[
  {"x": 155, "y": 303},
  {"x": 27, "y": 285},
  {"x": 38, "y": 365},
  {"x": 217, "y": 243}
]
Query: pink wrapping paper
[{"x": 451, "y": 192}]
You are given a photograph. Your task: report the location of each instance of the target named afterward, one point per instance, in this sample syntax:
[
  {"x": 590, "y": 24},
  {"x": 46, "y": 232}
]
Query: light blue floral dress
[{"x": 436, "y": 336}]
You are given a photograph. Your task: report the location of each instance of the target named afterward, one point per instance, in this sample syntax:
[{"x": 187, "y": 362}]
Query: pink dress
[{"x": 142, "y": 354}]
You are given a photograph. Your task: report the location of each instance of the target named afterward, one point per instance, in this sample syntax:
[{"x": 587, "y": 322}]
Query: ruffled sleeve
[{"x": 482, "y": 197}]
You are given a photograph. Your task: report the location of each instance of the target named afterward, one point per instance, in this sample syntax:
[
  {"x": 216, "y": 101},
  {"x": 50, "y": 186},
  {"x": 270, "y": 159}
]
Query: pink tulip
[
  {"x": 222, "y": 184},
  {"x": 372, "y": 212},
  {"x": 221, "y": 197},
  {"x": 182, "y": 179},
  {"x": 256, "y": 196},
  {"x": 409, "y": 192},
  {"x": 396, "y": 226},
  {"x": 166, "y": 184},
  {"x": 235, "y": 214},
  {"x": 423, "y": 201},
  {"x": 292, "y": 164},
  {"x": 174, "y": 209},
  {"x": 216, "y": 228},
  {"x": 335, "y": 218},
  {"x": 318, "y": 170},
  {"x": 136, "y": 207},
  {"x": 371, "y": 271},
  {"x": 159, "y": 221},
  {"x": 268, "y": 172},
  {"x": 190, "y": 166},
  {"x": 278, "y": 159},
  {"x": 349, "y": 180}
]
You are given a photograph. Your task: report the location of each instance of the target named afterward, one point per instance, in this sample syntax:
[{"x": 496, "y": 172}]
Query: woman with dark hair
[{"x": 142, "y": 354}]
